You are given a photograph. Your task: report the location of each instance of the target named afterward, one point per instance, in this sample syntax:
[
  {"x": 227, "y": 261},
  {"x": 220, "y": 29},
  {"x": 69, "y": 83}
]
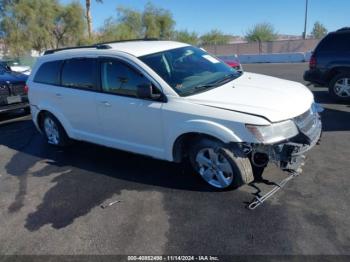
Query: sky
[{"x": 237, "y": 16}]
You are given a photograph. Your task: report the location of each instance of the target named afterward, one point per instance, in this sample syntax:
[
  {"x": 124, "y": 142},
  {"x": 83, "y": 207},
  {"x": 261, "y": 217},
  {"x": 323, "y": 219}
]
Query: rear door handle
[{"x": 58, "y": 95}]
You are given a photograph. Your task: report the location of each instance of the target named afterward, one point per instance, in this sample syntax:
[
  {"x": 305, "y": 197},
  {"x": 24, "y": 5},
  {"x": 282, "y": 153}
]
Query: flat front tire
[{"x": 219, "y": 165}]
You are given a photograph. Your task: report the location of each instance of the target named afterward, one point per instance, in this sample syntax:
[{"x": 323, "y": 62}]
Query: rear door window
[
  {"x": 49, "y": 73},
  {"x": 80, "y": 73}
]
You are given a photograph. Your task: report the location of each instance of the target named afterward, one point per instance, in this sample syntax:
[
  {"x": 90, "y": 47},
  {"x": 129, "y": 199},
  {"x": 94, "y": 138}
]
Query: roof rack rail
[
  {"x": 97, "y": 46},
  {"x": 104, "y": 45}
]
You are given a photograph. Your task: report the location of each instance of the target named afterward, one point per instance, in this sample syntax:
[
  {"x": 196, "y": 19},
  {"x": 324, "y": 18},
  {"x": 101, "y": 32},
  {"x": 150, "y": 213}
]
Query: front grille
[{"x": 309, "y": 123}]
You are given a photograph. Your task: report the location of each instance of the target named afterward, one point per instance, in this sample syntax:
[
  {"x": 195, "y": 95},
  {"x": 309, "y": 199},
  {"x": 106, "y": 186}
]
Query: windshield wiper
[
  {"x": 216, "y": 83},
  {"x": 226, "y": 79},
  {"x": 203, "y": 87}
]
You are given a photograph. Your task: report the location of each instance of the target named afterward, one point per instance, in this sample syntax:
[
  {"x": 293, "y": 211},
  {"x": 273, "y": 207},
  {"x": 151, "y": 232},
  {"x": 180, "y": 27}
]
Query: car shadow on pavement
[
  {"x": 11, "y": 116},
  {"x": 323, "y": 97},
  {"x": 335, "y": 120},
  {"x": 332, "y": 118},
  {"x": 84, "y": 176},
  {"x": 75, "y": 181}
]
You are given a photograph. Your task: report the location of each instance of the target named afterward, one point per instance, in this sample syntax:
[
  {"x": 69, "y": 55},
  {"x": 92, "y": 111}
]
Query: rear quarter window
[{"x": 49, "y": 73}]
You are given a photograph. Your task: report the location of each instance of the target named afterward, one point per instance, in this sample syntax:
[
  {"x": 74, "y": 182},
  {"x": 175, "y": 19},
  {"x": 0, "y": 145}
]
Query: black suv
[
  {"x": 13, "y": 90},
  {"x": 330, "y": 64}
]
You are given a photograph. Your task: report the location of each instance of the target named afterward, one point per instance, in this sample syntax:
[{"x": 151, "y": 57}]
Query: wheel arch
[
  {"x": 195, "y": 130},
  {"x": 60, "y": 118},
  {"x": 181, "y": 145},
  {"x": 335, "y": 71}
]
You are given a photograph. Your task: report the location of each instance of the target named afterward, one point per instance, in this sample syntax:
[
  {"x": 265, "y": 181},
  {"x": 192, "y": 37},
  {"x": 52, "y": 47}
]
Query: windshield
[{"x": 190, "y": 70}]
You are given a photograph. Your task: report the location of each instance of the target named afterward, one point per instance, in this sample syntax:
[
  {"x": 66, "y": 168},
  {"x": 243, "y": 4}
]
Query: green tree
[
  {"x": 114, "y": 31},
  {"x": 13, "y": 25},
  {"x": 40, "y": 25},
  {"x": 318, "y": 31},
  {"x": 40, "y": 15},
  {"x": 130, "y": 20},
  {"x": 88, "y": 16},
  {"x": 152, "y": 22},
  {"x": 157, "y": 22},
  {"x": 261, "y": 33},
  {"x": 186, "y": 37},
  {"x": 107, "y": 31},
  {"x": 214, "y": 37},
  {"x": 69, "y": 25}
]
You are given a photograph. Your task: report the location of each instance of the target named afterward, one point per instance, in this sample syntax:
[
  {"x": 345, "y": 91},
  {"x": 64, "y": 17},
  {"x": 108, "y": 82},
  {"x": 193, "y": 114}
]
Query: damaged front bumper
[{"x": 290, "y": 155}]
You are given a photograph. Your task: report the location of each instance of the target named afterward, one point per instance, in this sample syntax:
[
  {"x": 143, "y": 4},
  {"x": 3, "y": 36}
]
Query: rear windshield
[{"x": 338, "y": 42}]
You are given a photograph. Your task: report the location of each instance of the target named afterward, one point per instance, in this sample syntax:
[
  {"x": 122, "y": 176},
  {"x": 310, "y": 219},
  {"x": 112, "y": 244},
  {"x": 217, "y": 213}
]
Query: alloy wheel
[
  {"x": 214, "y": 168},
  {"x": 51, "y": 131},
  {"x": 342, "y": 87}
]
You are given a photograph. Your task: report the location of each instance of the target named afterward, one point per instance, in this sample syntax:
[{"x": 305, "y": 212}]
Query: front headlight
[{"x": 275, "y": 132}]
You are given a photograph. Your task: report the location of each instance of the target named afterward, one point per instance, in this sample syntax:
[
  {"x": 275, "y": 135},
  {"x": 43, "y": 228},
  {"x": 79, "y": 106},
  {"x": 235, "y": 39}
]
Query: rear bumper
[
  {"x": 34, "y": 110},
  {"x": 11, "y": 107},
  {"x": 314, "y": 76}
]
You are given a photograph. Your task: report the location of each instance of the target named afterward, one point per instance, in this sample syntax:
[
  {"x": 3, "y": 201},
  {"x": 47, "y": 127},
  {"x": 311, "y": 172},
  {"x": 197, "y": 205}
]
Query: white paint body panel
[
  {"x": 274, "y": 98},
  {"x": 151, "y": 128}
]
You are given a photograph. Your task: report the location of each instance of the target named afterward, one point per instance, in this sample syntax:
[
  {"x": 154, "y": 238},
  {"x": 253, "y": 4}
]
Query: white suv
[{"x": 170, "y": 100}]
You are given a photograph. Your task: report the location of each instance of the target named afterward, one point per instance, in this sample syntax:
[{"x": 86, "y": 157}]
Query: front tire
[
  {"x": 219, "y": 165},
  {"x": 339, "y": 87},
  {"x": 54, "y": 131}
]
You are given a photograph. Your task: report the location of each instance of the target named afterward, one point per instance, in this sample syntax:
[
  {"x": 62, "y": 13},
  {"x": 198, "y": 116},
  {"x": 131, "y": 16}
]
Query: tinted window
[
  {"x": 79, "y": 73},
  {"x": 339, "y": 42},
  {"x": 118, "y": 78},
  {"x": 49, "y": 73}
]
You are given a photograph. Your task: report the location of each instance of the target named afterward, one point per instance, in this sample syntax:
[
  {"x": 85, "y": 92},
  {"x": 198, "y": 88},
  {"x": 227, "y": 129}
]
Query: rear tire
[
  {"x": 339, "y": 87},
  {"x": 219, "y": 165},
  {"x": 54, "y": 131}
]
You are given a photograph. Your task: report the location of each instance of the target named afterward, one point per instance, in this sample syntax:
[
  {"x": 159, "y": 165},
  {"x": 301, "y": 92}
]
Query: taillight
[
  {"x": 26, "y": 89},
  {"x": 313, "y": 62}
]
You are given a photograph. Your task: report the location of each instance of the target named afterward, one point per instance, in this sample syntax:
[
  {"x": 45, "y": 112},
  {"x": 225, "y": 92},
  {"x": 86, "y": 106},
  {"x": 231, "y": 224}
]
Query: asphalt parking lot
[{"x": 50, "y": 200}]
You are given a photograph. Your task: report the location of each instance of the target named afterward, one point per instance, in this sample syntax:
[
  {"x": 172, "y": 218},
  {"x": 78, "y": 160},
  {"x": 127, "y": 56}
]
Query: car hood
[{"x": 272, "y": 98}]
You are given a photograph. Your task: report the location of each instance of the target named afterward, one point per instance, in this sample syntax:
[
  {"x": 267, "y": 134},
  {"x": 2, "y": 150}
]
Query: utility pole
[{"x": 306, "y": 6}]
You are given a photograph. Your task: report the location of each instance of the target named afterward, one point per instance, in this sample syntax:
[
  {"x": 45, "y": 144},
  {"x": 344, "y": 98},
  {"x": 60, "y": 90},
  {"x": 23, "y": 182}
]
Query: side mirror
[{"x": 144, "y": 91}]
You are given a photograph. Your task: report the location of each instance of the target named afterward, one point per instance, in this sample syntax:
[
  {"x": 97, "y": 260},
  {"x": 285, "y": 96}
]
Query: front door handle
[
  {"x": 105, "y": 103},
  {"x": 58, "y": 95}
]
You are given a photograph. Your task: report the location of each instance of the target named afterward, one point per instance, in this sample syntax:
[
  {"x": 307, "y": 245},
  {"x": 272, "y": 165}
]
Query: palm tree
[{"x": 88, "y": 15}]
